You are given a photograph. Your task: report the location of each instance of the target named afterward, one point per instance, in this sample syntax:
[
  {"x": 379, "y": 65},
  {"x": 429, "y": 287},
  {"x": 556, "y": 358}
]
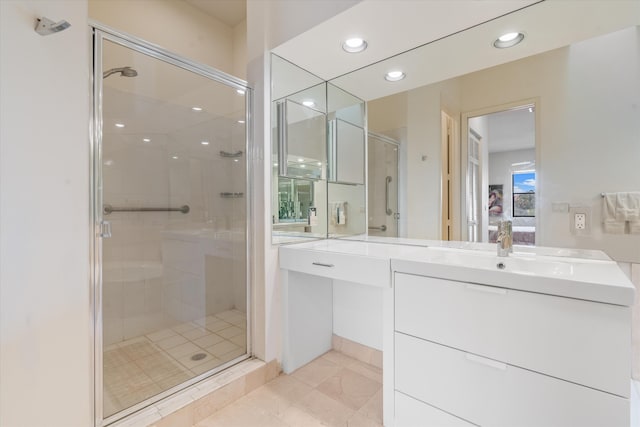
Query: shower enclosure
[{"x": 170, "y": 212}]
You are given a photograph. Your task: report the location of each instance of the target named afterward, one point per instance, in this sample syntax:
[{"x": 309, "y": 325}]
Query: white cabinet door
[{"x": 490, "y": 393}]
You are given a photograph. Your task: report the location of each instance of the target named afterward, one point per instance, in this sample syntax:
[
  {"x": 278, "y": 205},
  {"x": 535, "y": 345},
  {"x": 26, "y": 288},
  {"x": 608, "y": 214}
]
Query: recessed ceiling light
[
  {"x": 205, "y": 143},
  {"x": 301, "y": 160},
  {"x": 146, "y": 140},
  {"x": 175, "y": 157},
  {"x": 241, "y": 121},
  {"x": 240, "y": 91},
  {"x": 235, "y": 160},
  {"x": 119, "y": 125},
  {"x": 196, "y": 108},
  {"x": 308, "y": 103},
  {"x": 508, "y": 40},
  {"x": 354, "y": 45},
  {"x": 394, "y": 76}
]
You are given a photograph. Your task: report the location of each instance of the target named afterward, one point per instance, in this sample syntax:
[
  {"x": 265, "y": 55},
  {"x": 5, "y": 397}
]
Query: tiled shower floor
[{"x": 137, "y": 369}]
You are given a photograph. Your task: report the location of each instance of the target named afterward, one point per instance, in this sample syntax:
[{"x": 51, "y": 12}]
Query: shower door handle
[
  {"x": 105, "y": 229},
  {"x": 386, "y": 195}
]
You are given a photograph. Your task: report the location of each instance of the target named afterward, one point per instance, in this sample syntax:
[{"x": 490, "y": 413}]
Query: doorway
[
  {"x": 501, "y": 172},
  {"x": 170, "y": 213}
]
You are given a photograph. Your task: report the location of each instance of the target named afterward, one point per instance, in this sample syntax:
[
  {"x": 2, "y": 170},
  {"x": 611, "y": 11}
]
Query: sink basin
[{"x": 590, "y": 279}]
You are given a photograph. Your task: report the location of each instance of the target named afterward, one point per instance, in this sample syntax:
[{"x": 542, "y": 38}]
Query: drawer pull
[
  {"x": 487, "y": 289},
  {"x": 487, "y": 362},
  {"x": 322, "y": 264}
]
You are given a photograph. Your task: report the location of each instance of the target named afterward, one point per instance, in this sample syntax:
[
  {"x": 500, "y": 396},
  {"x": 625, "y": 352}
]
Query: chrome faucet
[{"x": 505, "y": 238}]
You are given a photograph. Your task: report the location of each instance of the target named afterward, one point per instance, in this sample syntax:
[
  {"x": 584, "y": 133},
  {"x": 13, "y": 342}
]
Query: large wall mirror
[
  {"x": 318, "y": 156},
  {"x": 551, "y": 124}
]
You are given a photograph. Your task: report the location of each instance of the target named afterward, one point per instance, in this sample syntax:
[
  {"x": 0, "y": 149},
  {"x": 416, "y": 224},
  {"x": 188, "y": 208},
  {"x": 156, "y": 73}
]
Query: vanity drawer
[
  {"x": 490, "y": 393},
  {"x": 410, "y": 412},
  {"x": 351, "y": 268},
  {"x": 580, "y": 341}
]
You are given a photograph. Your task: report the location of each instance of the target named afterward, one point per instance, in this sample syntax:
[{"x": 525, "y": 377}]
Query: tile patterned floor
[
  {"x": 333, "y": 390},
  {"x": 140, "y": 368}
]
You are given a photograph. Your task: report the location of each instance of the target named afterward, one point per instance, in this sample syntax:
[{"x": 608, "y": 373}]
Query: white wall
[
  {"x": 45, "y": 320},
  {"x": 173, "y": 25}
]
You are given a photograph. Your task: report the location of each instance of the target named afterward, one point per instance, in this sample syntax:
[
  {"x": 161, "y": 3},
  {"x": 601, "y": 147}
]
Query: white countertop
[{"x": 582, "y": 274}]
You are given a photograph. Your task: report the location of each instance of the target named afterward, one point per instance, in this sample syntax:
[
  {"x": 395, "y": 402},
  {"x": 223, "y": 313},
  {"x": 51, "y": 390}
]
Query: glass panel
[
  {"x": 346, "y": 209},
  {"x": 174, "y": 285},
  {"x": 349, "y": 162},
  {"x": 306, "y": 141},
  {"x": 382, "y": 187}
]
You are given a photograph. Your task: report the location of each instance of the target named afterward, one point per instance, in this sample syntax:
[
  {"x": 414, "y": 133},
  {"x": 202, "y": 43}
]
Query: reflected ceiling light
[
  {"x": 119, "y": 125},
  {"x": 531, "y": 109},
  {"x": 301, "y": 159},
  {"x": 275, "y": 164},
  {"x": 146, "y": 140},
  {"x": 394, "y": 76},
  {"x": 108, "y": 162},
  {"x": 235, "y": 160},
  {"x": 508, "y": 40},
  {"x": 205, "y": 143},
  {"x": 308, "y": 103},
  {"x": 175, "y": 157},
  {"x": 303, "y": 166},
  {"x": 354, "y": 45},
  {"x": 319, "y": 163},
  {"x": 241, "y": 121},
  {"x": 196, "y": 108},
  {"x": 240, "y": 91}
]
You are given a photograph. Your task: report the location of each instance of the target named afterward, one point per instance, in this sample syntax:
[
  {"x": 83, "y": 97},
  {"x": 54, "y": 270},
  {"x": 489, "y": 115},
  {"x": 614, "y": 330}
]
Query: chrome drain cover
[{"x": 198, "y": 356}]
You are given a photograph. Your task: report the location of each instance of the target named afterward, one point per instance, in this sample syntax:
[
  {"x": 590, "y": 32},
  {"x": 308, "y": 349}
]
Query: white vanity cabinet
[{"x": 466, "y": 353}]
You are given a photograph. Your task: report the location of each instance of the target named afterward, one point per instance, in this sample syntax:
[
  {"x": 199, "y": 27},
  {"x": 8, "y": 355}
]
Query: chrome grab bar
[
  {"x": 381, "y": 228},
  {"x": 283, "y": 149},
  {"x": 107, "y": 209},
  {"x": 386, "y": 195}
]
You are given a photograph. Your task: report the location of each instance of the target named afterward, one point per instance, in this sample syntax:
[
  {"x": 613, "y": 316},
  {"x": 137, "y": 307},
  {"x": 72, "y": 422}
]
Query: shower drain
[{"x": 198, "y": 356}]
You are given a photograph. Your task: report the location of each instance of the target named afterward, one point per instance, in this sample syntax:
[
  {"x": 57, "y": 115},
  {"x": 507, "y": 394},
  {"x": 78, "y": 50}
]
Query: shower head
[
  {"x": 124, "y": 71},
  {"x": 46, "y": 26}
]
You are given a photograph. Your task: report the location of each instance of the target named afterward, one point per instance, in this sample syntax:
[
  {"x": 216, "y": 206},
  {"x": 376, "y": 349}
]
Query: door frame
[
  {"x": 99, "y": 33},
  {"x": 464, "y": 126}
]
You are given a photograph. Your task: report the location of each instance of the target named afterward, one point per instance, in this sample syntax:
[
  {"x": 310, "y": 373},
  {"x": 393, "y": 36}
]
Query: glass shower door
[
  {"x": 383, "y": 186},
  {"x": 170, "y": 176}
]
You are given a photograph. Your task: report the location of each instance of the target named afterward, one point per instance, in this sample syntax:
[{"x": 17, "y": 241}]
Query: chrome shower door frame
[{"x": 99, "y": 33}]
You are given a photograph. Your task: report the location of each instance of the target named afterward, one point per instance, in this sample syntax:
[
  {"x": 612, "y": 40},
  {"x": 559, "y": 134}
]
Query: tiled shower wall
[{"x": 157, "y": 269}]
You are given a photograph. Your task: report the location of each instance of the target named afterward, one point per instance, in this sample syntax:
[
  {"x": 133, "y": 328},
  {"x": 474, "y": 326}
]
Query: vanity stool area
[{"x": 468, "y": 338}]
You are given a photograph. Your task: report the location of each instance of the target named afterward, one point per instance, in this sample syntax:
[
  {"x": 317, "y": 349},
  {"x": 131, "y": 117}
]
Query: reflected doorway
[
  {"x": 501, "y": 173},
  {"x": 382, "y": 186}
]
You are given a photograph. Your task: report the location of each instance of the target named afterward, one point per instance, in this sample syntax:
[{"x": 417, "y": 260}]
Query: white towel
[
  {"x": 628, "y": 206},
  {"x": 611, "y": 224}
]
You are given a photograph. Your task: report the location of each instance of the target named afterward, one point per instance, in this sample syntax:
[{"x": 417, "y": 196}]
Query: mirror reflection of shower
[{"x": 124, "y": 72}]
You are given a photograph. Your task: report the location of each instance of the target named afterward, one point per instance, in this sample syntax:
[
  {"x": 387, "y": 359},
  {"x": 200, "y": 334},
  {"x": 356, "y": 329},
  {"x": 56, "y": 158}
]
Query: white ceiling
[
  {"x": 511, "y": 130},
  {"x": 231, "y": 12},
  {"x": 391, "y": 27}
]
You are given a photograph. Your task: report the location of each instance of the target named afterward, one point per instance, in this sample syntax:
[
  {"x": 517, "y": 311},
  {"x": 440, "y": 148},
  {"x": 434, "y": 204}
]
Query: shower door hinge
[{"x": 105, "y": 229}]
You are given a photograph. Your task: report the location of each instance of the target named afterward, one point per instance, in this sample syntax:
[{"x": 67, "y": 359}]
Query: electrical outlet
[{"x": 580, "y": 220}]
